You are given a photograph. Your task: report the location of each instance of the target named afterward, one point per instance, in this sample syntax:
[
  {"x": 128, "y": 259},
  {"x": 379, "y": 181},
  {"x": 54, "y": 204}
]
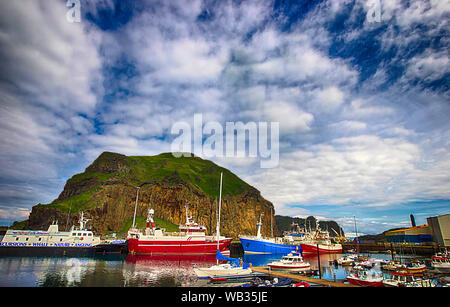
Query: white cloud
[
  {"x": 428, "y": 66},
  {"x": 349, "y": 126},
  {"x": 329, "y": 99},
  {"x": 349, "y": 169},
  {"x": 48, "y": 69}
]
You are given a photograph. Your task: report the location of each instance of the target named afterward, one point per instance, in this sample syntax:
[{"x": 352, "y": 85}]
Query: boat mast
[
  {"x": 271, "y": 223},
  {"x": 135, "y": 206},
  {"x": 258, "y": 235},
  {"x": 356, "y": 237},
  {"x": 218, "y": 220}
]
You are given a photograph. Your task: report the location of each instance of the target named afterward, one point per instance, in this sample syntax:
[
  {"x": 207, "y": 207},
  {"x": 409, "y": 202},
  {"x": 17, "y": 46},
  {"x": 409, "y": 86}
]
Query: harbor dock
[{"x": 300, "y": 278}]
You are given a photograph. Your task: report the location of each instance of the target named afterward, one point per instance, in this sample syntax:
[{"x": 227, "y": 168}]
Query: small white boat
[
  {"x": 413, "y": 267},
  {"x": 441, "y": 262},
  {"x": 222, "y": 269},
  {"x": 291, "y": 262},
  {"x": 393, "y": 266},
  {"x": 407, "y": 280},
  {"x": 441, "y": 265},
  {"x": 366, "y": 279},
  {"x": 380, "y": 261},
  {"x": 232, "y": 267},
  {"x": 367, "y": 264},
  {"x": 346, "y": 260}
]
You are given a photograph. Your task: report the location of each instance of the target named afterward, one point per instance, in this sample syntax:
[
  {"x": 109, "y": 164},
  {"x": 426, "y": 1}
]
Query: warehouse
[
  {"x": 440, "y": 229},
  {"x": 436, "y": 232}
]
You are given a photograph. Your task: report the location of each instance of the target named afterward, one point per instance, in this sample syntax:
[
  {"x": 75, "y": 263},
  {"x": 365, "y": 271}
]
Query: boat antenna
[{"x": 218, "y": 220}]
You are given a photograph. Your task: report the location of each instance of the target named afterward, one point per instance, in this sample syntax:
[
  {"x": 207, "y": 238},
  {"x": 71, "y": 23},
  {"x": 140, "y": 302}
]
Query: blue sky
[{"x": 363, "y": 105}]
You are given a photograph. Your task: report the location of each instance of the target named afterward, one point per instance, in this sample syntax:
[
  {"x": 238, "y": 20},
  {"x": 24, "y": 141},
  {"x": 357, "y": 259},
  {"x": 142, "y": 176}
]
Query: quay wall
[{"x": 403, "y": 248}]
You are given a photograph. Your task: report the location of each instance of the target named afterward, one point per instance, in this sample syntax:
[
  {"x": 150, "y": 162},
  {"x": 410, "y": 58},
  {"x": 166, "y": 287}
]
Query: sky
[{"x": 360, "y": 90}]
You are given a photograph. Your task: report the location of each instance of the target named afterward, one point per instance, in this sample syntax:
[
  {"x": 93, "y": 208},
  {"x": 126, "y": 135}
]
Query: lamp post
[{"x": 135, "y": 206}]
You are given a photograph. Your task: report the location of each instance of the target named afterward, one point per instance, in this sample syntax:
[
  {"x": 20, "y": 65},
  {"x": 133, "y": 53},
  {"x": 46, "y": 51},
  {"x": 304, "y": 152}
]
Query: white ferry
[{"x": 77, "y": 240}]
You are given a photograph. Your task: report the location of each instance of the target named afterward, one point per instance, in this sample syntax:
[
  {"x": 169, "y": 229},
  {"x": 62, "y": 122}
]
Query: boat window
[
  {"x": 74, "y": 234},
  {"x": 39, "y": 239},
  {"x": 79, "y": 234},
  {"x": 26, "y": 239},
  {"x": 60, "y": 240},
  {"x": 17, "y": 239}
]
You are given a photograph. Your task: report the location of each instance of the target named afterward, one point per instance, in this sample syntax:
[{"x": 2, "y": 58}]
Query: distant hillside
[{"x": 284, "y": 224}]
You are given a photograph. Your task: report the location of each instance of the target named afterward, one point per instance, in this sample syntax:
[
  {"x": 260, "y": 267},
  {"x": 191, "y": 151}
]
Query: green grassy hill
[
  {"x": 201, "y": 175},
  {"x": 106, "y": 193}
]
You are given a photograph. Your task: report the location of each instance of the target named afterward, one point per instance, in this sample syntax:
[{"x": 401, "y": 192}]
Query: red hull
[
  {"x": 312, "y": 249},
  {"x": 182, "y": 247},
  {"x": 359, "y": 282}
]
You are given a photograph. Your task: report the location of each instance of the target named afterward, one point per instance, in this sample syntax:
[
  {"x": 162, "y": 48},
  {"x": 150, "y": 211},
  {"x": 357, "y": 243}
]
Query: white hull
[
  {"x": 442, "y": 267},
  {"x": 221, "y": 270},
  {"x": 76, "y": 237},
  {"x": 291, "y": 268}
]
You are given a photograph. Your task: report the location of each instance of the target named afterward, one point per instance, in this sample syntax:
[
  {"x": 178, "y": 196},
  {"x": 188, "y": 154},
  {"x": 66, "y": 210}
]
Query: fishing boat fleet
[
  {"x": 309, "y": 242},
  {"x": 393, "y": 273},
  {"x": 191, "y": 240}
]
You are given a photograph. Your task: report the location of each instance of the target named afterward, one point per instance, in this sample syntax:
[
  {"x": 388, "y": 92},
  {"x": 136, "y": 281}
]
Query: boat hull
[
  {"x": 176, "y": 247},
  {"x": 442, "y": 267},
  {"x": 42, "y": 251},
  {"x": 323, "y": 249},
  {"x": 365, "y": 283},
  {"x": 255, "y": 246},
  {"x": 412, "y": 270},
  {"x": 206, "y": 273},
  {"x": 106, "y": 248},
  {"x": 289, "y": 268}
]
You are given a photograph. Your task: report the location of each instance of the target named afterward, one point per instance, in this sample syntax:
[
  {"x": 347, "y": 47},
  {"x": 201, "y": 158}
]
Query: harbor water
[{"x": 135, "y": 271}]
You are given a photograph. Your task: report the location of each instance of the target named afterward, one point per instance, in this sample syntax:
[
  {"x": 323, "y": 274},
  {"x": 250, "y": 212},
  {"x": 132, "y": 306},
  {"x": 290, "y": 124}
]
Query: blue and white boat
[{"x": 260, "y": 245}]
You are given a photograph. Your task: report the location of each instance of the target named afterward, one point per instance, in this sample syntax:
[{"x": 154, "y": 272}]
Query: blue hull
[{"x": 254, "y": 246}]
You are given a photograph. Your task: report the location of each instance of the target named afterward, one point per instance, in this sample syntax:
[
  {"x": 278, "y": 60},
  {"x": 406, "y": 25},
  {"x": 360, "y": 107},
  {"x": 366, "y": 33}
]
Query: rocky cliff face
[{"x": 106, "y": 192}]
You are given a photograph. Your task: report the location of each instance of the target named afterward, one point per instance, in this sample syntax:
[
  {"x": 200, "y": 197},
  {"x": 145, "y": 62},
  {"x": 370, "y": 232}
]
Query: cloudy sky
[{"x": 362, "y": 99}]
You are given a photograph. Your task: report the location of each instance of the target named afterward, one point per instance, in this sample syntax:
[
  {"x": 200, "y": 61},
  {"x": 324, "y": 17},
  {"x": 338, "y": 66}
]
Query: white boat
[
  {"x": 220, "y": 270},
  {"x": 368, "y": 264},
  {"x": 346, "y": 260},
  {"x": 380, "y": 261},
  {"x": 232, "y": 267},
  {"x": 365, "y": 278},
  {"x": 291, "y": 262},
  {"x": 413, "y": 267},
  {"x": 441, "y": 262},
  {"x": 441, "y": 265},
  {"x": 393, "y": 266},
  {"x": 51, "y": 238},
  {"x": 407, "y": 280}
]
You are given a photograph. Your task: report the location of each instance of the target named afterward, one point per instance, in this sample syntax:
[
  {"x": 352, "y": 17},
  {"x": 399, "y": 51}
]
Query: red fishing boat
[
  {"x": 365, "y": 279},
  {"x": 190, "y": 240}
]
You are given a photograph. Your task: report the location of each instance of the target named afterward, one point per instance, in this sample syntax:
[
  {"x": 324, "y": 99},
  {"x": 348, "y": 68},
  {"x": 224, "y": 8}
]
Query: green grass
[
  {"x": 203, "y": 175},
  {"x": 78, "y": 202},
  {"x": 99, "y": 176}
]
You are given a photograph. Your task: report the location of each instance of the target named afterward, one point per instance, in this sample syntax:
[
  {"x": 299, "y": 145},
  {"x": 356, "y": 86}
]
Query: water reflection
[
  {"x": 327, "y": 269},
  {"x": 136, "y": 271},
  {"x": 102, "y": 271},
  {"x": 163, "y": 270}
]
